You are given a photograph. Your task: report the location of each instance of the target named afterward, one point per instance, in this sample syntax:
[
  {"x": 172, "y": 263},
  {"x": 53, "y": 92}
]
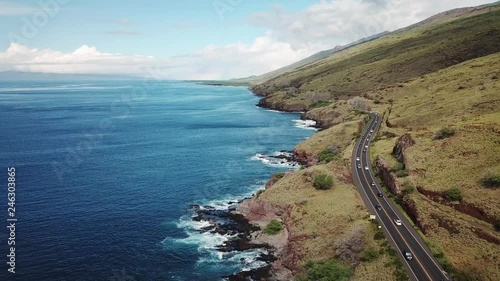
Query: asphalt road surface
[{"x": 423, "y": 266}]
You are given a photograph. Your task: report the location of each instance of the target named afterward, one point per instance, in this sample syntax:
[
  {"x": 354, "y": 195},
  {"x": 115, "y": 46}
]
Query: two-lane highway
[{"x": 400, "y": 233}]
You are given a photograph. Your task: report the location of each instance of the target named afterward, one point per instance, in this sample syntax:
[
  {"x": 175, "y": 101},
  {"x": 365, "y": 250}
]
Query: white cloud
[
  {"x": 291, "y": 36},
  {"x": 264, "y": 54},
  {"x": 84, "y": 60},
  {"x": 212, "y": 62},
  {"x": 15, "y": 9},
  {"x": 336, "y": 22}
]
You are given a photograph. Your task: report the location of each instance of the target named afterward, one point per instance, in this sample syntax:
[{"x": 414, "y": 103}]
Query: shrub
[
  {"x": 369, "y": 254},
  {"x": 497, "y": 226},
  {"x": 402, "y": 173},
  {"x": 444, "y": 133},
  {"x": 408, "y": 189},
  {"x": 323, "y": 182},
  {"x": 397, "y": 167},
  {"x": 377, "y": 102},
  {"x": 356, "y": 135},
  {"x": 259, "y": 193},
  {"x": 453, "y": 194},
  {"x": 398, "y": 200},
  {"x": 379, "y": 235},
  {"x": 325, "y": 270},
  {"x": 320, "y": 103},
  {"x": 490, "y": 180},
  {"x": 326, "y": 156},
  {"x": 273, "y": 227},
  {"x": 279, "y": 175}
]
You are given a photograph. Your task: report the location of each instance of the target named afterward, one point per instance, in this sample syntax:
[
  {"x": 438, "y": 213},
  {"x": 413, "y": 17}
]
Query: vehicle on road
[
  {"x": 398, "y": 222},
  {"x": 380, "y": 194},
  {"x": 364, "y": 150},
  {"x": 357, "y": 158},
  {"x": 366, "y": 168},
  {"x": 407, "y": 254},
  {"x": 359, "y": 166},
  {"x": 373, "y": 183},
  {"x": 366, "y": 146},
  {"x": 378, "y": 207},
  {"x": 371, "y": 131}
]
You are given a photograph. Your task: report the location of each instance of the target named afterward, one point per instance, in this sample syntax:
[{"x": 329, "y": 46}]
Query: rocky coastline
[{"x": 244, "y": 220}]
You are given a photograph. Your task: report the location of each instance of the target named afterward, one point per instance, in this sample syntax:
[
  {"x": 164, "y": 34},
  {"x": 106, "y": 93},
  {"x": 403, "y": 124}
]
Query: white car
[
  {"x": 373, "y": 183},
  {"x": 371, "y": 131},
  {"x": 366, "y": 168},
  {"x": 357, "y": 159},
  {"x": 398, "y": 222},
  {"x": 366, "y": 146},
  {"x": 359, "y": 166}
]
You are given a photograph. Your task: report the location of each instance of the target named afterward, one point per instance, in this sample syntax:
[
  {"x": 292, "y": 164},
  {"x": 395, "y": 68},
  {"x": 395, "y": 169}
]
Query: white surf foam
[
  {"x": 271, "y": 160},
  {"x": 305, "y": 124}
]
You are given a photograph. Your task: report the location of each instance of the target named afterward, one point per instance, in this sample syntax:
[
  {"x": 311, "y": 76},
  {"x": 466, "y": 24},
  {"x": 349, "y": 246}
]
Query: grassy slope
[
  {"x": 318, "y": 219},
  {"x": 464, "y": 97},
  {"x": 444, "y": 75},
  {"x": 393, "y": 59}
]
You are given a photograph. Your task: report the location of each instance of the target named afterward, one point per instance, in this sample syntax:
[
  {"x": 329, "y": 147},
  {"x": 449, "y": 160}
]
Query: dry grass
[
  {"x": 318, "y": 219},
  {"x": 420, "y": 73},
  {"x": 390, "y": 60},
  {"x": 463, "y": 97},
  {"x": 460, "y": 244},
  {"x": 341, "y": 135}
]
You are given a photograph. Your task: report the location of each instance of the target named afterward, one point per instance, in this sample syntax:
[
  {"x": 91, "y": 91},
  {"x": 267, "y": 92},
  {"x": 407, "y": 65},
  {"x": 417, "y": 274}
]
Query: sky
[{"x": 191, "y": 39}]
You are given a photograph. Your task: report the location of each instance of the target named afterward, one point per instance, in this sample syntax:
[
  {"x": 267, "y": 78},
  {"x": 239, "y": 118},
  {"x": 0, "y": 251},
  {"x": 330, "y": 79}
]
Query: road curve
[{"x": 424, "y": 266}]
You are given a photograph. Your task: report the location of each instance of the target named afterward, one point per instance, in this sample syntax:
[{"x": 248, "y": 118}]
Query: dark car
[
  {"x": 407, "y": 254},
  {"x": 378, "y": 207},
  {"x": 380, "y": 194}
]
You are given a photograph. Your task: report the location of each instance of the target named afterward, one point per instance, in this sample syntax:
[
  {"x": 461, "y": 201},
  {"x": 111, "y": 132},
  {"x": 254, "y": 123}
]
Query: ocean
[{"x": 106, "y": 173}]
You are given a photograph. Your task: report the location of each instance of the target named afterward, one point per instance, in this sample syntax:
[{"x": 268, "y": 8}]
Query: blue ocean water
[{"x": 106, "y": 172}]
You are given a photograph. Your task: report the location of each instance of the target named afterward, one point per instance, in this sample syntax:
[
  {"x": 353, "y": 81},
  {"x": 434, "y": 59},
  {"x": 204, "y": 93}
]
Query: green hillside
[
  {"x": 393, "y": 59},
  {"x": 437, "y": 83}
]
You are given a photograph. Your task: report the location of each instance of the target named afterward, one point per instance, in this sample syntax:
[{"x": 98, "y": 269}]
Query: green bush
[
  {"x": 279, "y": 175},
  {"x": 356, "y": 135},
  {"x": 497, "y": 226},
  {"x": 323, "y": 182},
  {"x": 453, "y": 194},
  {"x": 369, "y": 254},
  {"x": 320, "y": 103},
  {"x": 259, "y": 193},
  {"x": 402, "y": 173},
  {"x": 379, "y": 234},
  {"x": 273, "y": 227},
  {"x": 397, "y": 167},
  {"x": 398, "y": 200},
  {"x": 444, "y": 133},
  {"x": 326, "y": 156},
  {"x": 325, "y": 271},
  {"x": 409, "y": 189},
  {"x": 491, "y": 181}
]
